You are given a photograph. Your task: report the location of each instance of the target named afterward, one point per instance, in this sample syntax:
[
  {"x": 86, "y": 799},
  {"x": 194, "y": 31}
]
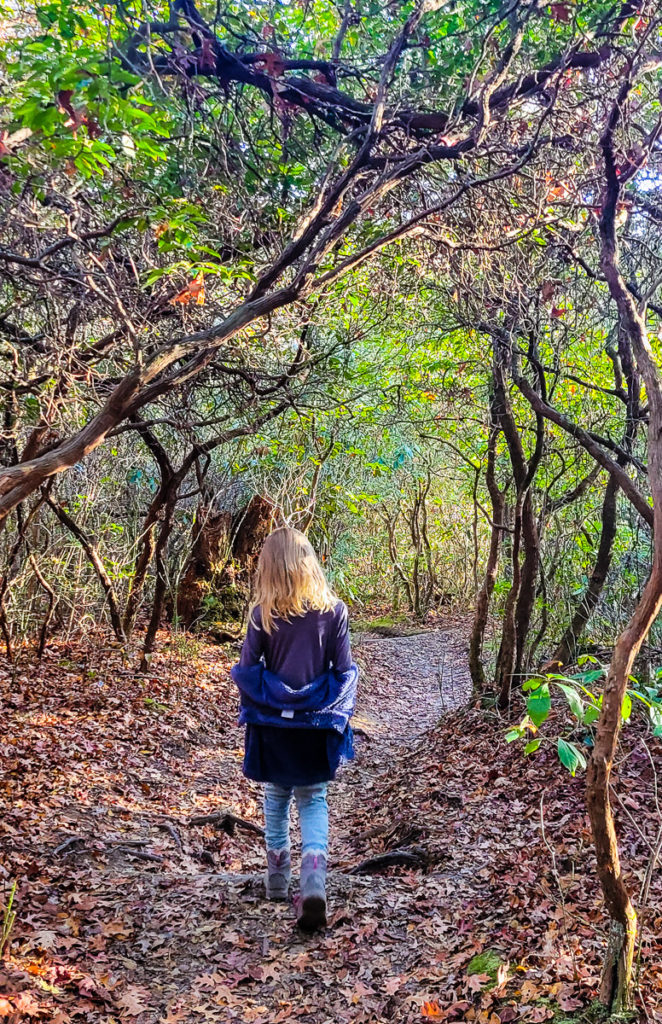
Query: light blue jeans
[{"x": 313, "y": 816}]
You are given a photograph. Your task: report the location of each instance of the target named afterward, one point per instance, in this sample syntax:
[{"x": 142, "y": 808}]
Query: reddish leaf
[
  {"x": 207, "y": 57},
  {"x": 560, "y": 12},
  {"x": 194, "y": 292},
  {"x": 273, "y": 63},
  {"x": 64, "y": 100}
]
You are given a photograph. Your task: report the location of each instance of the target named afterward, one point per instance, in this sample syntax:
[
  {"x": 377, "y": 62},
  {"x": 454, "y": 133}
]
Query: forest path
[
  {"x": 407, "y": 683},
  {"x": 132, "y": 910},
  {"x": 368, "y": 965},
  {"x": 138, "y": 916}
]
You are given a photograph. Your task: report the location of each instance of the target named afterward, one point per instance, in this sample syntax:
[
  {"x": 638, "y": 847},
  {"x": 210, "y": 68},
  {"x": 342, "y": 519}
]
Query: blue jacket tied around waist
[{"x": 325, "y": 703}]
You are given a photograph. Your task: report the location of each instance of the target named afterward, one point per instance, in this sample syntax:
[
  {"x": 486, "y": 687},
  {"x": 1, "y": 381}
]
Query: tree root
[
  {"x": 166, "y": 826},
  {"x": 414, "y": 857},
  {"x": 226, "y": 822}
]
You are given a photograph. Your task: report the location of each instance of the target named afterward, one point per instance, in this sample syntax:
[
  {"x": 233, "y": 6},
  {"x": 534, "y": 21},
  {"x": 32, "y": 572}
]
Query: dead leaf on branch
[
  {"x": 194, "y": 292},
  {"x": 77, "y": 117},
  {"x": 272, "y": 62},
  {"x": 561, "y": 12}
]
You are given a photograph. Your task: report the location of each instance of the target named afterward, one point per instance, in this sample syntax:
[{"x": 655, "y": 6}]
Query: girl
[{"x": 298, "y": 688}]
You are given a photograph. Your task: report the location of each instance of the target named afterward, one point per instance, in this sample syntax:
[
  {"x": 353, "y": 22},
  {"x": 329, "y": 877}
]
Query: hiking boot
[
  {"x": 278, "y": 874},
  {"x": 311, "y": 911}
]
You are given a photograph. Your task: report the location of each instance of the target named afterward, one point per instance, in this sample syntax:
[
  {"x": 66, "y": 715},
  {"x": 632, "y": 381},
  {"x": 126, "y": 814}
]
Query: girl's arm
[
  {"x": 341, "y": 654},
  {"x": 253, "y": 646}
]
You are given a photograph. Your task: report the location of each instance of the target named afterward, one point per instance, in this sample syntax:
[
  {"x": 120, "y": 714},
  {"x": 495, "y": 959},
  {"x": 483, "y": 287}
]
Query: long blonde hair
[{"x": 289, "y": 581}]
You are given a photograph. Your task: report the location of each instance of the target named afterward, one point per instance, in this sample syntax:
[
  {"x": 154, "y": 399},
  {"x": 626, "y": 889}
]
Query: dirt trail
[
  {"x": 242, "y": 959},
  {"x": 407, "y": 683},
  {"x": 262, "y": 969}
]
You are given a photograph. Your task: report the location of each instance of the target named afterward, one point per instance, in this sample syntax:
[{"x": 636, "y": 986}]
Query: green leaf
[
  {"x": 532, "y": 746},
  {"x": 656, "y": 720},
  {"x": 591, "y": 714},
  {"x": 591, "y": 677},
  {"x": 570, "y": 755},
  {"x": 575, "y": 702},
  {"x": 539, "y": 704},
  {"x": 626, "y": 707}
]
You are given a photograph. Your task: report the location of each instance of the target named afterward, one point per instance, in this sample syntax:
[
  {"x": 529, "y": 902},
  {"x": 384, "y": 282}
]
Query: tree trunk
[
  {"x": 393, "y": 554},
  {"x": 507, "y": 649},
  {"x": 544, "y": 616},
  {"x": 415, "y": 533},
  {"x": 224, "y": 553},
  {"x": 210, "y": 551},
  {"x": 96, "y": 562},
  {"x": 161, "y": 582},
  {"x": 521, "y": 598},
  {"x": 142, "y": 562},
  {"x": 147, "y": 542},
  {"x": 616, "y": 983},
  {"x": 530, "y": 569},
  {"x": 566, "y": 652},
  {"x": 5, "y": 579},
  {"x": 250, "y": 529},
  {"x": 491, "y": 568},
  {"x": 51, "y": 598}
]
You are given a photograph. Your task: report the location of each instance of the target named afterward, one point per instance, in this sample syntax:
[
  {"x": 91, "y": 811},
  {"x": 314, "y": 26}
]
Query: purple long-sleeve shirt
[{"x": 302, "y": 649}]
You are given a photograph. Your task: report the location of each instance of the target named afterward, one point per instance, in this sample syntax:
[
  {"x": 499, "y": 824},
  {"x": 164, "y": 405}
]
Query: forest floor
[{"x": 127, "y": 912}]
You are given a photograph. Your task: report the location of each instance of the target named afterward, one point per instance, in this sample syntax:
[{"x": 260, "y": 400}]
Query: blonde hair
[{"x": 290, "y": 581}]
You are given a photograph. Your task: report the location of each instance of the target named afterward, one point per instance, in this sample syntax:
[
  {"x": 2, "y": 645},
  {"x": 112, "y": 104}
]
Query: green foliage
[
  {"x": 488, "y": 962},
  {"x": 538, "y": 704},
  {"x": 570, "y": 755},
  {"x": 8, "y": 919},
  {"x": 154, "y": 705},
  {"x": 584, "y": 705}
]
